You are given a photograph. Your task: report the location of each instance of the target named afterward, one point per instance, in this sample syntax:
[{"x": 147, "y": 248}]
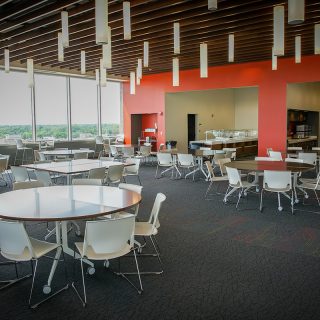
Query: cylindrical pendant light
[
  {"x": 298, "y": 49},
  {"x": 203, "y": 60},
  {"x": 60, "y": 48},
  {"x": 6, "y": 60},
  {"x": 97, "y": 77},
  {"x": 137, "y": 78},
  {"x": 278, "y": 30},
  {"x": 231, "y": 47},
  {"x": 30, "y": 73},
  {"x": 109, "y": 54},
  {"x": 146, "y": 54},
  {"x": 83, "y": 62},
  {"x": 126, "y": 21},
  {"x": 101, "y": 17},
  {"x": 103, "y": 74},
  {"x": 212, "y": 4},
  {"x": 317, "y": 38},
  {"x": 175, "y": 72},
  {"x": 65, "y": 28},
  {"x": 139, "y": 69},
  {"x": 132, "y": 82},
  {"x": 176, "y": 38},
  {"x": 295, "y": 11},
  {"x": 106, "y": 56},
  {"x": 274, "y": 61}
]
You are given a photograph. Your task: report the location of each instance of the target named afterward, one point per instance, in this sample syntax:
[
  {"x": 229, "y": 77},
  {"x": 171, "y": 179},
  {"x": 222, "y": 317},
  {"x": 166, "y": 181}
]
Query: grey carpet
[{"x": 220, "y": 263}]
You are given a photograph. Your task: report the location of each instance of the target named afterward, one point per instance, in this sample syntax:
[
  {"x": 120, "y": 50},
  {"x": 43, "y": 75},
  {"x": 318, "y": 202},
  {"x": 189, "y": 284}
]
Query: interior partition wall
[{"x": 58, "y": 107}]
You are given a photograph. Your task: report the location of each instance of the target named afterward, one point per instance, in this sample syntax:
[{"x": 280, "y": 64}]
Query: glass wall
[
  {"x": 15, "y": 106},
  {"x": 51, "y": 107},
  {"x": 110, "y": 108},
  {"x": 52, "y": 99},
  {"x": 84, "y": 111}
]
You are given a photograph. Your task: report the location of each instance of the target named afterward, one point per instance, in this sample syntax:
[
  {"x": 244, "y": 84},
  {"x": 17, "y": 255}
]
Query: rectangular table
[{"x": 74, "y": 166}]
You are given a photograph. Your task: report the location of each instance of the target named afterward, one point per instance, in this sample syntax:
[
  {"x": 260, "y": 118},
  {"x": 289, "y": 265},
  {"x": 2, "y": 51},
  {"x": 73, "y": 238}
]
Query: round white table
[{"x": 61, "y": 204}]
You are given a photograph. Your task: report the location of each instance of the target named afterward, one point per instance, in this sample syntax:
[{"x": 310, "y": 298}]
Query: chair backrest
[
  {"x": 128, "y": 151},
  {"x": 132, "y": 187},
  {"x": 154, "y": 215},
  {"x": 114, "y": 173},
  {"x": 164, "y": 158},
  {"x": 234, "y": 177},
  {"x": 275, "y": 154},
  {"x": 185, "y": 159},
  {"x": 99, "y": 140},
  {"x": 277, "y": 179},
  {"x": 20, "y": 173},
  {"x": 145, "y": 150},
  {"x": 310, "y": 158},
  {"x": 39, "y": 156},
  {"x": 210, "y": 170},
  {"x": 133, "y": 169},
  {"x": 265, "y": 159},
  {"x": 87, "y": 182},
  {"x": 97, "y": 173},
  {"x": 113, "y": 150},
  {"x": 19, "y": 143},
  {"x": 293, "y": 160},
  {"x": 161, "y": 146},
  {"x": 14, "y": 241},
  {"x": 44, "y": 177},
  {"x": 268, "y": 151},
  {"x": 204, "y": 148},
  {"x": 221, "y": 163},
  {"x": 4, "y": 161},
  {"x": 106, "y": 148},
  {"x": 294, "y": 148},
  {"x": 109, "y": 235},
  {"x": 80, "y": 155},
  {"x": 27, "y": 185},
  {"x": 106, "y": 158}
]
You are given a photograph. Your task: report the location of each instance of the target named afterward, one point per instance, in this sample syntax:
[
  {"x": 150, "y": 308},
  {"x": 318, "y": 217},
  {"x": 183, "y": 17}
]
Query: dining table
[
  {"x": 61, "y": 204},
  {"x": 64, "y": 152}
]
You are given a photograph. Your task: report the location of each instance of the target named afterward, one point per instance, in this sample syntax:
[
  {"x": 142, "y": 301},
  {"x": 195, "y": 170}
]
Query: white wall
[
  {"x": 216, "y": 109},
  {"x": 246, "y": 108},
  {"x": 304, "y": 96}
]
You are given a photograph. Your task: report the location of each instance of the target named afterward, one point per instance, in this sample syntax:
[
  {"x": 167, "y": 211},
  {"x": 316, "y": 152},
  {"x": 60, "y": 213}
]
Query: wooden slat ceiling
[{"x": 29, "y": 29}]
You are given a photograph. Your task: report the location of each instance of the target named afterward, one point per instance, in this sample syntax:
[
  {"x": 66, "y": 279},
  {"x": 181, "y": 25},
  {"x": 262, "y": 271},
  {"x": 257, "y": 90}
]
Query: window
[
  {"x": 51, "y": 107},
  {"x": 110, "y": 108},
  {"x": 15, "y": 104},
  {"x": 84, "y": 112}
]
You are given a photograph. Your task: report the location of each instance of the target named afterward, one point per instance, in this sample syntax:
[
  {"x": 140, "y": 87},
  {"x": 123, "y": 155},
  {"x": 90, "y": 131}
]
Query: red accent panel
[{"x": 150, "y": 95}]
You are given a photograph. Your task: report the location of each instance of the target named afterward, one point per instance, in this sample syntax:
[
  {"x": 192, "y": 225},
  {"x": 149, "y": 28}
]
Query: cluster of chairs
[{"x": 105, "y": 239}]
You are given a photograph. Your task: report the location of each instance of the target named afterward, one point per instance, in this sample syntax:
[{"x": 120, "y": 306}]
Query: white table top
[
  {"x": 73, "y": 166},
  {"x": 63, "y": 152},
  {"x": 60, "y": 203}
]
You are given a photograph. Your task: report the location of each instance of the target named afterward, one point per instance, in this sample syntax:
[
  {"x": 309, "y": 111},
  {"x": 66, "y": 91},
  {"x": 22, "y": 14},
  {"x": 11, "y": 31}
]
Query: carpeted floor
[{"x": 220, "y": 263}]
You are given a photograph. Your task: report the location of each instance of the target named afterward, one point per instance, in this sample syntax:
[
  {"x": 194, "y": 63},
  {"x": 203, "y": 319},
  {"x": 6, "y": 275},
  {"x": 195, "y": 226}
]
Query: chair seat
[
  {"x": 105, "y": 256},
  {"x": 40, "y": 248},
  {"x": 144, "y": 229},
  {"x": 308, "y": 185},
  {"x": 277, "y": 189}
]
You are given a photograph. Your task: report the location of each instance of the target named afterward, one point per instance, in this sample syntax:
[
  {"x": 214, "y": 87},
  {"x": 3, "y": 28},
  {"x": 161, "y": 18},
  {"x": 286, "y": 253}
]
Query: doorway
[{"x": 192, "y": 118}]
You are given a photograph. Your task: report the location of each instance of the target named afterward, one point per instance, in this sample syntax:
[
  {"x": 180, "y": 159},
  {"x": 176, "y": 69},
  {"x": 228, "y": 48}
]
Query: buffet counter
[
  {"x": 244, "y": 145},
  {"x": 305, "y": 143}
]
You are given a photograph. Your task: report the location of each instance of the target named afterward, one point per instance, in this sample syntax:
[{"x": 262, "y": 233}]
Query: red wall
[{"x": 150, "y": 95}]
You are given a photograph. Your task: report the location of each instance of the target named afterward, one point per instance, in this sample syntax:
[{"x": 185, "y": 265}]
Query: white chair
[
  {"x": 99, "y": 145},
  {"x": 132, "y": 170},
  {"x": 144, "y": 153},
  {"x": 235, "y": 183},
  {"x": 87, "y": 181},
  {"x": 39, "y": 156},
  {"x": 17, "y": 246},
  {"x": 186, "y": 162},
  {"x": 114, "y": 174},
  {"x": 97, "y": 173},
  {"x": 311, "y": 184},
  {"x": 292, "y": 151},
  {"x": 20, "y": 174},
  {"x": 150, "y": 229},
  {"x": 275, "y": 154},
  {"x": 213, "y": 178},
  {"x": 164, "y": 160},
  {"x": 4, "y": 162},
  {"x": 115, "y": 151},
  {"x": 258, "y": 174},
  {"x": 23, "y": 150},
  {"x": 221, "y": 163},
  {"x": 127, "y": 152},
  {"x": 310, "y": 158},
  {"x": 44, "y": 177},
  {"x": 80, "y": 155},
  {"x": 279, "y": 182},
  {"x": 106, "y": 240},
  {"x": 27, "y": 185}
]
